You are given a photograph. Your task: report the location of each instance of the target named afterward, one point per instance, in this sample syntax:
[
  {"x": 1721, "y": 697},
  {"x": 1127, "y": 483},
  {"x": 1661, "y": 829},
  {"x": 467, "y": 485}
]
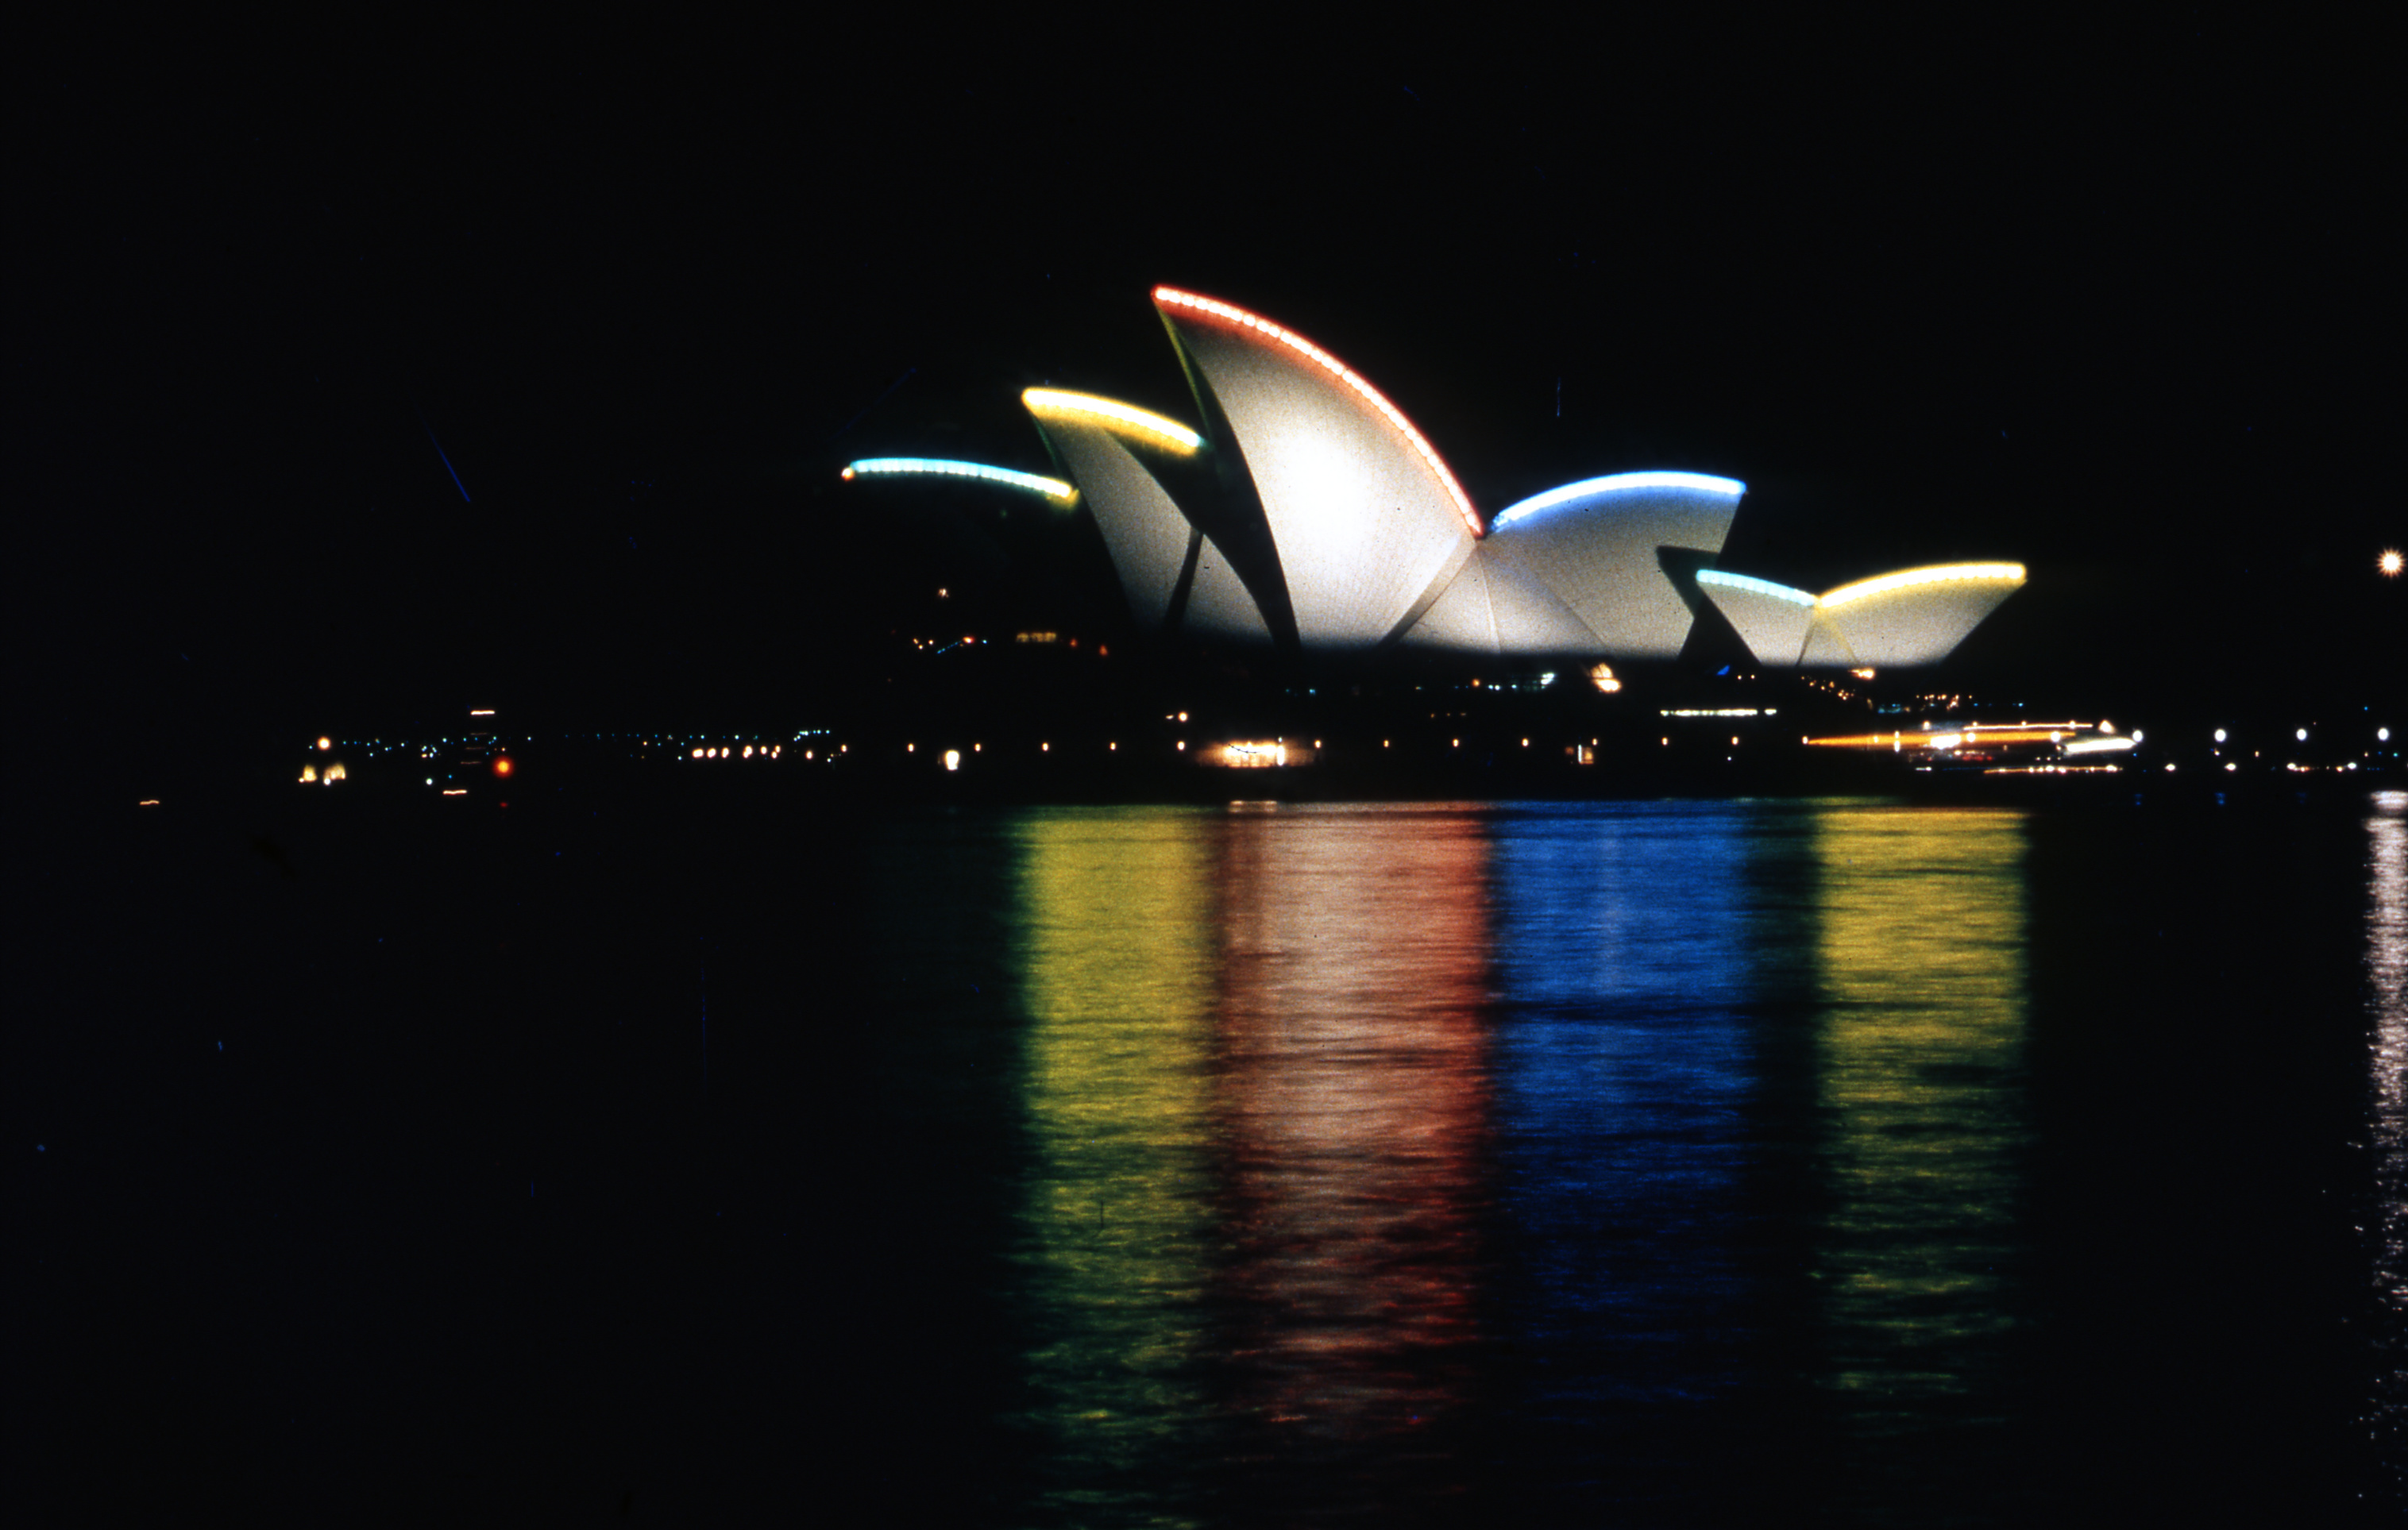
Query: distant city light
[
  {"x": 1602, "y": 676},
  {"x": 326, "y": 743},
  {"x": 2219, "y": 735},
  {"x": 2302, "y": 736},
  {"x": 942, "y": 467},
  {"x": 953, "y": 759},
  {"x": 502, "y": 766},
  {"x": 2383, "y": 735},
  {"x": 2389, "y": 561}
]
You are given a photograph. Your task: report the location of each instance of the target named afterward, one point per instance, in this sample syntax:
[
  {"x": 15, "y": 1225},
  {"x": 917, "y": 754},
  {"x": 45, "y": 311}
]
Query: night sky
[{"x": 2121, "y": 305}]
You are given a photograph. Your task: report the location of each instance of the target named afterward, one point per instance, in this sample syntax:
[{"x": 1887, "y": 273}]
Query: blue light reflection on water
[{"x": 1623, "y": 954}]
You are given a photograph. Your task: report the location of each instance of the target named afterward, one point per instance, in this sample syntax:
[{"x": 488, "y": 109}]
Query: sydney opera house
[{"x": 1303, "y": 510}]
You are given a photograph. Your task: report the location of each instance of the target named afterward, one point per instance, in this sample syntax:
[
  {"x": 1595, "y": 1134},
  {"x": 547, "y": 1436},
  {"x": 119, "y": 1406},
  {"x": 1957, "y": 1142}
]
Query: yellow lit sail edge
[
  {"x": 1937, "y": 574},
  {"x": 1112, "y": 415}
]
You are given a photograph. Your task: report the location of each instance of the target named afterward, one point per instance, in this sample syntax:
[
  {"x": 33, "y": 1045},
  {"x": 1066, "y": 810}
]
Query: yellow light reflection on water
[
  {"x": 1920, "y": 951},
  {"x": 1115, "y": 945}
]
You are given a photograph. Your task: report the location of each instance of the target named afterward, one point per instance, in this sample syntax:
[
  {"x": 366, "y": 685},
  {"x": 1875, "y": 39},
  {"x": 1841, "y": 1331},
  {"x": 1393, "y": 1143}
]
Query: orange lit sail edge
[{"x": 1346, "y": 373}]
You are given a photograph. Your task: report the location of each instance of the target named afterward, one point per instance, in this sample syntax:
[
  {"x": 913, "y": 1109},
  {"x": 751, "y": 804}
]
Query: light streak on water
[
  {"x": 1115, "y": 946},
  {"x": 1921, "y": 934},
  {"x": 2386, "y": 971}
]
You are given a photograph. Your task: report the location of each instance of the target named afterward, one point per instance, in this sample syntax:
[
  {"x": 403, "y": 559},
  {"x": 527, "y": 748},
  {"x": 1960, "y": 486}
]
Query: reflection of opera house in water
[
  {"x": 1334, "y": 1111},
  {"x": 1305, "y": 512}
]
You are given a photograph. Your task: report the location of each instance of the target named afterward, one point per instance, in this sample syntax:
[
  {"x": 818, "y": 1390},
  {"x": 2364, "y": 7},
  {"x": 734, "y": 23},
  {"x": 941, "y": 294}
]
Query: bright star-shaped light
[{"x": 2389, "y": 561}]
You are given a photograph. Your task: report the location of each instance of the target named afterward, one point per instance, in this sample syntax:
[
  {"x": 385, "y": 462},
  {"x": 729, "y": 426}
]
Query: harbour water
[{"x": 1848, "y": 1161}]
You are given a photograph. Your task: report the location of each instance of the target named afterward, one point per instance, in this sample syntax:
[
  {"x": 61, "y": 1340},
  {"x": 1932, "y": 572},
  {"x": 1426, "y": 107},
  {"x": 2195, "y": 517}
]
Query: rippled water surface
[
  {"x": 1672, "y": 1162},
  {"x": 1657, "y": 1160}
]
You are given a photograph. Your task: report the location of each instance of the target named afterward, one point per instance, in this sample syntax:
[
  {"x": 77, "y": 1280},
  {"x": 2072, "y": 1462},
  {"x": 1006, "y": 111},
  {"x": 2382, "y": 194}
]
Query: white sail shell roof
[
  {"x": 1772, "y": 620},
  {"x": 1372, "y": 541},
  {"x": 1595, "y": 546},
  {"x": 1143, "y": 529},
  {"x": 1916, "y": 616},
  {"x": 1495, "y": 606},
  {"x": 1364, "y": 516}
]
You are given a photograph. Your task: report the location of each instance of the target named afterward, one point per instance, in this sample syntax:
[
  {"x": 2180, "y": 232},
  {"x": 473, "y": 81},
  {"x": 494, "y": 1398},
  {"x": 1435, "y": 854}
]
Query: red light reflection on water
[{"x": 1353, "y": 1099}]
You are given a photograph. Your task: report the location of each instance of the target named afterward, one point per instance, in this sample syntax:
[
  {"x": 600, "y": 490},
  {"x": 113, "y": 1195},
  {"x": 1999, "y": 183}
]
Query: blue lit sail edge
[
  {"x": 942, "y": 467},
  {"x": 1615, "y": 484},
  {"x": 1757, "y": 586}
]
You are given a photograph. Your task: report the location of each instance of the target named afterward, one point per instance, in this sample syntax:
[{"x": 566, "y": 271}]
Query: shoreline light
[
  {"x": 1346, "y": 374},
  {"x": 945, "y": 467},
  {"x": 1615, "y": 484},
  {"x": 1112, "y": 414}
]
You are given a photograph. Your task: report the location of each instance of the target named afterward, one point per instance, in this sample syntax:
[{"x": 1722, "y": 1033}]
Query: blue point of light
[
  {"x": 1761, "y": 587},
  {"x": 942, "y": 467},
  {"x": 1615, "y": 484}
]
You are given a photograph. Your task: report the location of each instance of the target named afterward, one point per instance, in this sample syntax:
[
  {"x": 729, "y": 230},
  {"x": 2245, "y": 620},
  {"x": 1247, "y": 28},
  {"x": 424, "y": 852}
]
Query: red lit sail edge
[{"x": 1298, "y": 343}]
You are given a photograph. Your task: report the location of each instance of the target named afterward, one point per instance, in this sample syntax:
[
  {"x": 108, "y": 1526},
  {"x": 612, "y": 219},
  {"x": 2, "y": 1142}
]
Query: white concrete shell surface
[
  {"x": 1143, "y": 529},
  {"x": 1365, "y": 517},
  {"x": 1772, "y": 620},
  {"x": 1597, "y": 547},
  {"x": 1916, "y": 616}
]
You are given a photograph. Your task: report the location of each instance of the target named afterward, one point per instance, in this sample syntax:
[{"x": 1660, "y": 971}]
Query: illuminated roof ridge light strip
[
  {"x": 1051, "y": 488},
  {"x": 1761, "y": 587},
  {"x": 1937, "y": 574},
  {"x": 1615, "y": 484},
  {"x": 1111, "y": 411},
  {"x": 1343, "y": 372}
]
